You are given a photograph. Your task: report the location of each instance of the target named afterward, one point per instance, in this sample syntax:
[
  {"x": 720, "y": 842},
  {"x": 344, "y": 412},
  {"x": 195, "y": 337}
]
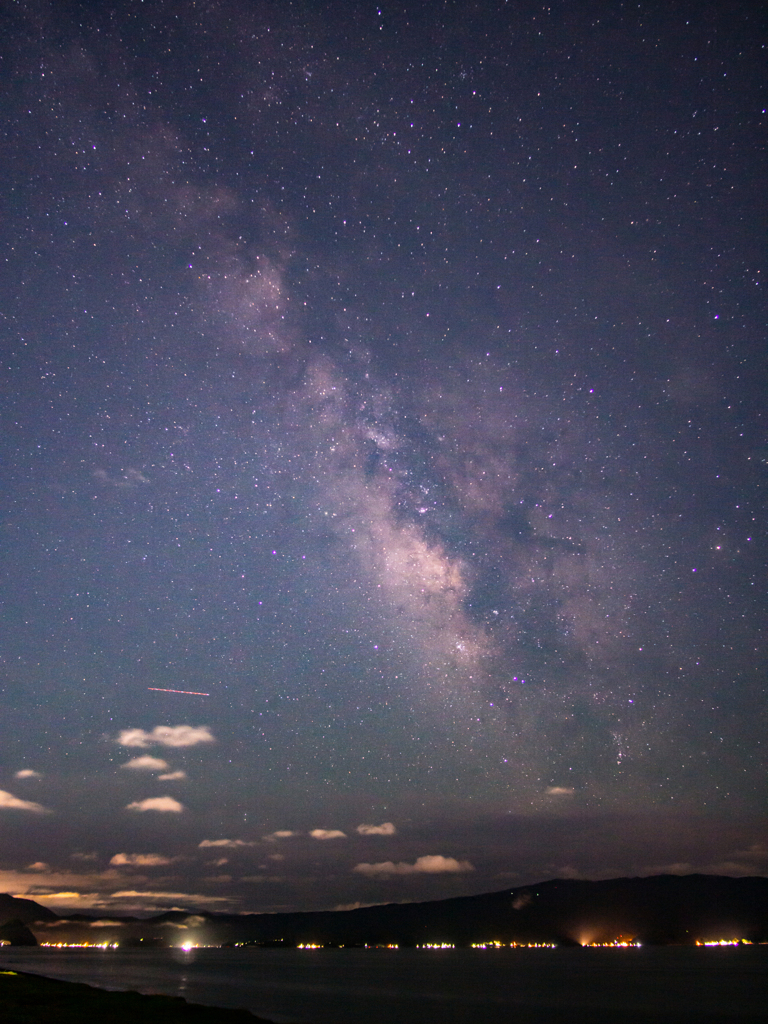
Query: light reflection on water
[
  {"x": 185, "y": 956},
  {"x": 435, "y": 986}
]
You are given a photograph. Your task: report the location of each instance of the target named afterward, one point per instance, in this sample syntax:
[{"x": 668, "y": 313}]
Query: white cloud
[
  {"x": 8, "y": 800},
  {"x": 142, "y": 860},
  {"x": 28, "y": 773},
  {"x": 166, "y": 736},
  {"x": 39, "y": 865},
  {"x": 385, "y": 829},
  {"x": 134, "y": 738},
  {"x": 182, "y": 735},
  {"x": 147, "y": 763},
  {"x": 431, "y": 864},
  {"x": 283, "y": 833},
  {"x": 156, "y": 803},
  {"x": 104, "y": 922},
  {"x": 230, "y": 844},
  {"x": 560, "y": 791},
  {"x": 171, "y": 776},
  {"x": 327, "y": 833}
]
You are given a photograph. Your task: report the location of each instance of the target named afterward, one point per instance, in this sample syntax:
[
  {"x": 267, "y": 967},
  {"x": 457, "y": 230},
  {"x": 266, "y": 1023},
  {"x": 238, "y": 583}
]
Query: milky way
[{"x": 380, "y": 398}]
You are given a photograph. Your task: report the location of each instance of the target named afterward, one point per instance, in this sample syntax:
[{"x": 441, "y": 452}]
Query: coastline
[{"x": 34, "y": 999}]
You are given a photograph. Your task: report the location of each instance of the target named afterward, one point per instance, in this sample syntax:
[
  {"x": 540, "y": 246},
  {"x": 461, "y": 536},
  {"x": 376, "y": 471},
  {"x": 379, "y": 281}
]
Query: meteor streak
[{"x": 193, "y": 693}]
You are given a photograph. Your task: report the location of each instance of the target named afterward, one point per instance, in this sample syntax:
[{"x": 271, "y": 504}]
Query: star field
[{"x": 384, "y": 383}]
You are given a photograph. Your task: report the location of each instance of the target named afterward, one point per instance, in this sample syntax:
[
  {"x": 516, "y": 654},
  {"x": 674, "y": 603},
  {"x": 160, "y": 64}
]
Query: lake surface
[{"x": 461, "y": 986}]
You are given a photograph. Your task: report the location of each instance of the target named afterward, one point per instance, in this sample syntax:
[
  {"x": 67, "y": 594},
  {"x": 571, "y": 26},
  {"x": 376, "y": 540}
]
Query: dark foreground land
[{"x": 31, "y": 999}]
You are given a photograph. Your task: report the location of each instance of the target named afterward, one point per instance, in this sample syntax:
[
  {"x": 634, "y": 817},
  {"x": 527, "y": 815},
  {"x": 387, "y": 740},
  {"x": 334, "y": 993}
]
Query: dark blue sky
[{"x": 390, "y": 378}]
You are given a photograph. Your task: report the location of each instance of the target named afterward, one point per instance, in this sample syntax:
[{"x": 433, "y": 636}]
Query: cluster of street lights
[{"x": 80, "y": 945}]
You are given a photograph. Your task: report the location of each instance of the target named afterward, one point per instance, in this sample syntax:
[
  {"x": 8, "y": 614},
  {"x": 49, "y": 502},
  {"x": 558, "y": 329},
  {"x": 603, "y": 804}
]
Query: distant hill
[
  {"x": 26, "y": 911},
  {"x": 665, "y": 909},
  {"x": 660, "y": 910}
]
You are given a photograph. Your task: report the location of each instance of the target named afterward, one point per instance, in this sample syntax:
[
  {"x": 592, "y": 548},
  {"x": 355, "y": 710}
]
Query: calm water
[{"x": 436, "y": 987}]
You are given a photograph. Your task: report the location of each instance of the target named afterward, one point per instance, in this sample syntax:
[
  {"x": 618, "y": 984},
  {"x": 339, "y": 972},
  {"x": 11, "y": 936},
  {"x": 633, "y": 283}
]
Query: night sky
[{"x": 391, "y": 379}]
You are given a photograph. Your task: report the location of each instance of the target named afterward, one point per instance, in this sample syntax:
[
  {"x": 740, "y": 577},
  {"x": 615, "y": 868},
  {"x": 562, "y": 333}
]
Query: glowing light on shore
[
  {"x": 723, "y": 942},
  {"x": 80, "y": 945},
  {"x": 613, "y": 944},
  {"x": 494, "y": 944}
]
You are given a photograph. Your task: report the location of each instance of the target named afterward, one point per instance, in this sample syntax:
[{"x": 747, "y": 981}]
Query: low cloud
[
  {"x": 53, "y": 897},
  {"x": 178, "y": 897},
  {"x": 283, "y": 833},
  {"x": 10, "y": 802},
  {"x": 385, "y": 829},
  {"x": 729, "y": 867},
  {"x": 125, "y": 901},
  {"x": 193, "y": 921},
  {"x": 560, "y": 791},
  {"x": 166, "y": 736},
  {"x": 568, "y": 871},
  {"x": 39, "y": 865},
  {"x": 230, "y": 844},
  {"x": 69, "y": 891},
  {"x": 28, "y": 773},
  {"x": 431, "y": 864},
  {"x": 140, "y": 860},
  {"x": 156, "y": 803},
  {"x": 147, "y": 763},
  {"x": 757, "y": 851},
  {"x": 327, "y": 833},
  {"x": 104, "y": 922},
  {"x": 357, "y": 905},
  {"x": 95, "y": 893},
  {"x": 172, "y": 776}
]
